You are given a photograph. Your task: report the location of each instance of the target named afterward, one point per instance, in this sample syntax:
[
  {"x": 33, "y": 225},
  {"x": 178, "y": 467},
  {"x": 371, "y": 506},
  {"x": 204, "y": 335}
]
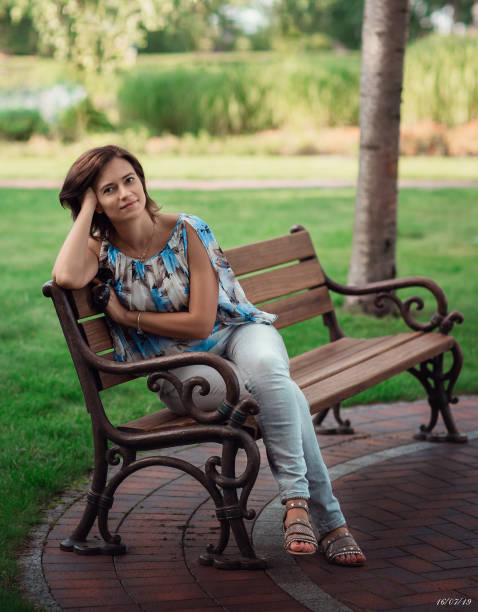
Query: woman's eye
[
  {"x": 108, "y": 190},
  {"x": 130, "y": 179}
]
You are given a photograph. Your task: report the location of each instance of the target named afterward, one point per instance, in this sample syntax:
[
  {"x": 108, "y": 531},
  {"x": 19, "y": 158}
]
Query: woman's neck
[{"x": 136, "y": 235}]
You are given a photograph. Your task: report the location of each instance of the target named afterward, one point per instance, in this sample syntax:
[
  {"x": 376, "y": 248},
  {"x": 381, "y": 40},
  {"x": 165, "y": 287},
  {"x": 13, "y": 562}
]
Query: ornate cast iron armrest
[
  {"x": 441, "y": 318},
  {"x": 159, "y": 367}
]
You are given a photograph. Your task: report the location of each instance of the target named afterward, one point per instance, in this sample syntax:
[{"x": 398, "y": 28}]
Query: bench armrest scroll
[
  {"x": 156, "y": 367},
  {"x": 441, "y": 319}
]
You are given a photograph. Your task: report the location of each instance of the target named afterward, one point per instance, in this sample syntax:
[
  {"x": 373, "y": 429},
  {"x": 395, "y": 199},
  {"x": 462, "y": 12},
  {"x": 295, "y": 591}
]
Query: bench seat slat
[
  {"x": 166, "y": 419},
  {"x": 333, "y": 358},
  {"x": 268, "y": 253},
  {"x": 300, "y": 307},
  {"x": 375, "y": 370},
  {"x": 162, "y": 419},
  {"x": 282, "y": 281}
]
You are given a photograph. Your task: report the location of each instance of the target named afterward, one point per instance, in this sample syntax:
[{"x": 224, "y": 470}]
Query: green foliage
[
  {"x": 95, "y": 36},
  {"x": 441, "y": 80},
  {"x": 220, "y": 101},
  {"x": 18, "y": 38},
  {"x": 327, "y": 93},
  {"x": 20, "y": 124},
  {"x": 339, "y": 20},
  {"x": 76, "y": 121},
  {"x": 241, "y": 96},
  {"x": 421, "y": 10}
]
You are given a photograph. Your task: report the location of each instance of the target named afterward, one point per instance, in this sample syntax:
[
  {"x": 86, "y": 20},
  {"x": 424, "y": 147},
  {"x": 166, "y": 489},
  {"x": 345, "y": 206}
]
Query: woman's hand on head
[
  {"x": 77, "y": 262},
  {"x": 89, "y": 201}
]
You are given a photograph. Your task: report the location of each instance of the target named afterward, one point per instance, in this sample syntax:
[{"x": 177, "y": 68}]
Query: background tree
[
  {"x": 384, "y": 35},
  {"x": 98, "y": 36},
  {"x": 340, "y": 20}
]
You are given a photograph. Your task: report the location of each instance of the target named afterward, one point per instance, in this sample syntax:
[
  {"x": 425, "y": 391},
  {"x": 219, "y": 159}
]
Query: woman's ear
[{"x": 99, "y": 208}]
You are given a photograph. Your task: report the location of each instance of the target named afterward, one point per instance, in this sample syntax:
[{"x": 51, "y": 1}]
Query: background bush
[
  {"x": 232, "y": 93},
  {"x": 245, "y": 96},
  {"x": 441, "y": 80},
  {"x": 21, "y": 124},
  {"x": 82, "y": 118},
  {"x": 218, "y": 94},
  {"x": 220, "y": 100}
]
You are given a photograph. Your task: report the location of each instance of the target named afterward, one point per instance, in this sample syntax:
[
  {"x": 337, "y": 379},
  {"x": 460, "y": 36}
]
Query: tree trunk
[{"x": 384, "y": 34}]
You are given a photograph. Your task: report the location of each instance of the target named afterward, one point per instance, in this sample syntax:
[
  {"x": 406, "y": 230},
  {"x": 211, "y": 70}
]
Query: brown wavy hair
[{"x": 83, "y": 174}]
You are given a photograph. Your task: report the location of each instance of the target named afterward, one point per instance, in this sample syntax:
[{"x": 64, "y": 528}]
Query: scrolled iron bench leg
[
  {"x": 78, "y": 541},
  {"x": 343, "y": 427},
  {"x": 232, "y": 515},
  {"x": 439, "y": 387}
]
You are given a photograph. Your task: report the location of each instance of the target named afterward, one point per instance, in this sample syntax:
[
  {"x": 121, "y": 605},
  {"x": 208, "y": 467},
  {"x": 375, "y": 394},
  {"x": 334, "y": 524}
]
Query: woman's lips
[{"x": 128, "y": 205}]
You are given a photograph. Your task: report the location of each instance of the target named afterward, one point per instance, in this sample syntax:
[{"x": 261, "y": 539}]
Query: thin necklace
[
  {"x": 143, "y": 254},
  {"x": 142, "y": 257}
]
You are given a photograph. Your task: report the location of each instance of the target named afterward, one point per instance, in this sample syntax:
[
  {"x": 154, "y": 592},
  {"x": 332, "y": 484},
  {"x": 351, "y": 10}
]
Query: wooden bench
[{"x": 284, "y": 276}]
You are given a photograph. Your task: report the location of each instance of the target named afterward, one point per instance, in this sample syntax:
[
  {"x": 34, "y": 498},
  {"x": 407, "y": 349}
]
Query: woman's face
[{"x": 119, "y": 191}]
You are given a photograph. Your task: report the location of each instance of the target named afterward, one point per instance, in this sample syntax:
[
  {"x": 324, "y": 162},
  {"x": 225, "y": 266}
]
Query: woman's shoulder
[{"x": 168, "y": 220}]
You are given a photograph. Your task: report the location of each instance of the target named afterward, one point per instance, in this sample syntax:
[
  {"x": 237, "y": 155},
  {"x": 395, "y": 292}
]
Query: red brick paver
[{"x": 415, "y": 515}]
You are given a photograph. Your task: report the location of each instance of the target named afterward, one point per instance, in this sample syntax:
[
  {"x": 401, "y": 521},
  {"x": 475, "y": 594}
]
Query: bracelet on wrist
[{"x": 139, "y": 331}]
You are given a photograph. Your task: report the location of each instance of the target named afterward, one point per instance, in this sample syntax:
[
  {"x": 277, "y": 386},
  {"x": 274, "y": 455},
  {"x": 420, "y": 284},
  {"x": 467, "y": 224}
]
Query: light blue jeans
[{"x": 259, "y": 358}]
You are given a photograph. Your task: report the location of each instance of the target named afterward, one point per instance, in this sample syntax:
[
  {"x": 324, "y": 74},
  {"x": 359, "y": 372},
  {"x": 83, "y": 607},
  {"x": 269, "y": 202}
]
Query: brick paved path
[{"x": 413, "y": 507}]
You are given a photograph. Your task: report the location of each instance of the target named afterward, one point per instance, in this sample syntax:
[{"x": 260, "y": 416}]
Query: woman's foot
[
  {"x": 299, "y": 535},
  {"x": 340, "y": 548}
]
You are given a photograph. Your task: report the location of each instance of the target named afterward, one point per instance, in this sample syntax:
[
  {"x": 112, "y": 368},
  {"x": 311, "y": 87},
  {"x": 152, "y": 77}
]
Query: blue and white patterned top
[{"x": 161, "y": 284}]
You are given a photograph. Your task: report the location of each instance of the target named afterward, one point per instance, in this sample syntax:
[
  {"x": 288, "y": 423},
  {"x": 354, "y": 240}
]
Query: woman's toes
[{"x": 304, "y": 547}]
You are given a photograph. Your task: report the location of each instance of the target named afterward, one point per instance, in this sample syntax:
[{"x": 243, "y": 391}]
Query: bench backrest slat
[
  {"x": 300, "y": 307},
  {"x": 269, "y": 253},
  {"x": 97, "y": 334},
  {"x": 282, "y": 281},
  {"x": 296, "y": 290},
  {"x": 82, "y": 303},
  {"x": 110, "y": 380}
]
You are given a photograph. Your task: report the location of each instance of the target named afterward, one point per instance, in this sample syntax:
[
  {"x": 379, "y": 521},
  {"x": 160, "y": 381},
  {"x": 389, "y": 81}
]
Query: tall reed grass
[
  {"x": 441, "y": 80},
  {"x": 220, "y": 100},
  {"x": 257, "y": 92},
  {"x": 241, "y": 97}
]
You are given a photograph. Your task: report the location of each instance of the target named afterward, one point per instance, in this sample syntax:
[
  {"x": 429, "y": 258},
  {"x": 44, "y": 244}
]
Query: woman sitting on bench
[{"x": 173, "y": 291}]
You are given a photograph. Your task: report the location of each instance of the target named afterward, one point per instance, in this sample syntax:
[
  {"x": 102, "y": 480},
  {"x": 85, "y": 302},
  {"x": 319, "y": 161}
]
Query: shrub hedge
[{"x": 21, "y": 124}]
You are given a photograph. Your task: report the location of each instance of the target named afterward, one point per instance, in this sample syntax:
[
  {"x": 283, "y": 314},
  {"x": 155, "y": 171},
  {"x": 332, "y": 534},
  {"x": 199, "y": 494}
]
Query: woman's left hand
[{"x": 114, "y": 308}]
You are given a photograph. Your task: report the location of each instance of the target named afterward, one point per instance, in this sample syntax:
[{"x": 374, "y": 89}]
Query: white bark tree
[{"x": 384, "y": 34}]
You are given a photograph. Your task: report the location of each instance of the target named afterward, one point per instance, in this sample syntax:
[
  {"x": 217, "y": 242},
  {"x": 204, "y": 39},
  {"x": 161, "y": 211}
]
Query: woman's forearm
[
  {"x": 171, "y": 324},
  {"x": 76, "y": 264}
]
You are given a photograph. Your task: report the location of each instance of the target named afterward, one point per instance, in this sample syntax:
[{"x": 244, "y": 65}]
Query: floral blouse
[{"x": 161, "y": 284}]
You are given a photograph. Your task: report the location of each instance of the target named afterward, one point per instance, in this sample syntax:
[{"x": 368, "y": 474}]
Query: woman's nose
[{"x": 123, "y": 191}]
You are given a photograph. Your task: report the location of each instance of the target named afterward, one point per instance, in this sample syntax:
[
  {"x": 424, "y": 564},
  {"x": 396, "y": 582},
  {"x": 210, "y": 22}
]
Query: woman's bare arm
[
  {"x": 198, "y": 321},
  {"x": 77, "y": 262}
]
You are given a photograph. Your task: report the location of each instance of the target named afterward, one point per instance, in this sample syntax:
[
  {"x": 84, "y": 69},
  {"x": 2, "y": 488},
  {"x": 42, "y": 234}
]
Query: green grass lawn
[{"x": 44, "y": 429}]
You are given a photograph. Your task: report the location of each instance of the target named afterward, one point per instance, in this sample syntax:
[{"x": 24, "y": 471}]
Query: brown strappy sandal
[
  {"x": 341, "y": 544},
  {"x": 298, "y": 530}
]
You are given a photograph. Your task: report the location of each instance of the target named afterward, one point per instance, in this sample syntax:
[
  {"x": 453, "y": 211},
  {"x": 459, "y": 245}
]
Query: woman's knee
[
  {"x": 170, "y": 395},
  {"x": 264, "y": 363}
]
